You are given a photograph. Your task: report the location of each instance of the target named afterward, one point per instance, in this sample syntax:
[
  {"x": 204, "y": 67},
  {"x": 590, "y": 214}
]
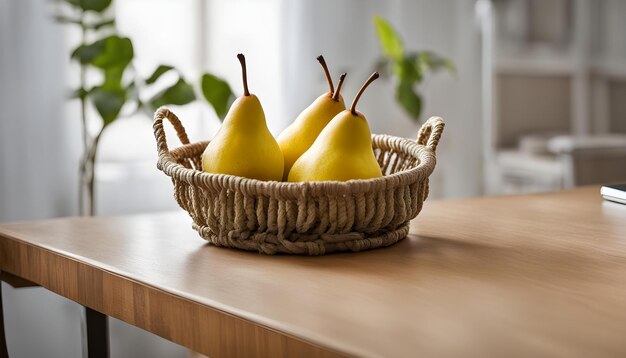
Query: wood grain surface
[{"x": 538, "y": 275}]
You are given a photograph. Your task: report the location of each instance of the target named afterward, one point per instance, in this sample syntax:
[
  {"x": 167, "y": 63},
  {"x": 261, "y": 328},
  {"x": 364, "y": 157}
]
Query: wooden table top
[{"x": 537, "y": 275}]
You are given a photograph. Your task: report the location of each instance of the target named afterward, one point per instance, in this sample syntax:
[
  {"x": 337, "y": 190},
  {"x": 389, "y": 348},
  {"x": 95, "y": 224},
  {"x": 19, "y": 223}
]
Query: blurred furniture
[
  {"x": 551, "y": 162},
  {"x": 491, "y": 276},
  {"x": 550, "y": 67},
  {"x": 591, "y": 159}
]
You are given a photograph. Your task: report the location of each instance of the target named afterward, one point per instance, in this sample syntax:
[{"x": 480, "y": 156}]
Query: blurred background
[{"x": 537, "y": 102}]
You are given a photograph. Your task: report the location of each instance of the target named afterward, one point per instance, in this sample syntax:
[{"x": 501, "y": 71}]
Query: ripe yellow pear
[
  {"x": 300, "y": 135},
  {"x": 343, "y": 150},
  {"x": 244, "y": 146}
]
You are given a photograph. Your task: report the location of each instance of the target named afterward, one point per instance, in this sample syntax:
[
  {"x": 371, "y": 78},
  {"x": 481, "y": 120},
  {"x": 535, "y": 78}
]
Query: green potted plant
[
  {"x": 104, "y": 51},
  {"x": 408, "y": 68}
]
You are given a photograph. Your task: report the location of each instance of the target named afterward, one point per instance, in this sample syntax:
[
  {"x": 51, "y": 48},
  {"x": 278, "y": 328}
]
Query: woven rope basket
[{"x": 308, "y": 218}]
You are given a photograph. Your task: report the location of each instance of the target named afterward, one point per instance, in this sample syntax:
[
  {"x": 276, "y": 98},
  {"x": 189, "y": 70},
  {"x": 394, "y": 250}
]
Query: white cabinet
[{"x": 551, "y": 67}]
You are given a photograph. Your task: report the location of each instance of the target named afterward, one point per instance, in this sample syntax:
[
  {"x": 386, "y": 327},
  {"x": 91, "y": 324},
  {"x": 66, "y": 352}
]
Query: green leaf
[
  {"x": 157, "y": 73},
  {"x": 113, "y": 78},
  {"x": 74, "y": 3},
  {"x": 67, "y": 20},
  {"x": 80, "y": 93},
  {"x": 93, "y": 5},
  {"x": 118, "y": 52},
  {"x": 409, "y": 100},
  {"x": 131, "y": 88},
  {"x": 389, "y": 39},
  {"x": 430, "y": 61},
  {"x": 407, "y": 70},
  {"x": 179, "y": 94},
  {"x": 101, "y": 24},
  {"x": 112, "y": 51},
  {"x": 108, "y": 102},
  {"x": 87, "y": 53},
  {"x": 218, "y": 93}
]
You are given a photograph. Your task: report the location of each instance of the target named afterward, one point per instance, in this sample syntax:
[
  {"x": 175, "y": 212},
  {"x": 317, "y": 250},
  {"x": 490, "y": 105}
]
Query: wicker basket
[{"x": 309, "y": 218}]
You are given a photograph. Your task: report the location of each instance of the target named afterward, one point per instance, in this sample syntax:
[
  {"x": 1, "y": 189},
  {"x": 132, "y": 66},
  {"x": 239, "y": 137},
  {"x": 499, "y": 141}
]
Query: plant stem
[
  {"x": 90, "y": 161},
  {"x": 83, "y": 118}
]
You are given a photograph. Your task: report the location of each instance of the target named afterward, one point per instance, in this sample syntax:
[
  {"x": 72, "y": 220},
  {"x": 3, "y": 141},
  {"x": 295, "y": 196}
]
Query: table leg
[
  {"x": 16, "y": 282},
  {"x": 97, "y": 334},
  {"x": 97, "y": 323},
  {"x": 3, "y": 342}
]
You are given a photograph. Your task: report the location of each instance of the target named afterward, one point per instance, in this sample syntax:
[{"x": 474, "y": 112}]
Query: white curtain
[
  {"x": 38, "y": 174},
  {"x": 39, "y": 154}
]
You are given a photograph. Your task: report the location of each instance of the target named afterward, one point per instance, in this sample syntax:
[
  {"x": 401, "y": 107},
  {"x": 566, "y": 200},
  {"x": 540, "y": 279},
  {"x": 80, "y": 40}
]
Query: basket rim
[{"x": 425, "y": 154}]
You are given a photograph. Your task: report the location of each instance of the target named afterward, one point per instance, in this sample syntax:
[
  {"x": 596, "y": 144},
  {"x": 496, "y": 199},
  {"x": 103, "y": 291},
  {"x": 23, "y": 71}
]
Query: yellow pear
[
  {"x": 301, "y": 134},
  {"x": 343, "y": 150},
  {"x": 244, "y": 146}
]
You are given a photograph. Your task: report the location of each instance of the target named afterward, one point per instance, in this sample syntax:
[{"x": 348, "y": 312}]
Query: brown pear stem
[
  {"x": 322, "y": 62},
  {"x": 373, "y": 77},
  {"x": 244, "y": 74},
  {"x": 341, "y": 78}
]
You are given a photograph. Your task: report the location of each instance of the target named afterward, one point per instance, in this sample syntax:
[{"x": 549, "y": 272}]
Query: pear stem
[
  {"x": 322, "y": 62},
  {"x": 244, "y": 74},
  {"x": 341, "y": 78},
  {"x": 373, "y": 77}
]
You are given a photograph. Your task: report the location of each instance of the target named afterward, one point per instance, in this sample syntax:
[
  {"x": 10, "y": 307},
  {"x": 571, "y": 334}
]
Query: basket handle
[
  {"x": 159, "y": 133},
  {"x": 430, "y": 133}
]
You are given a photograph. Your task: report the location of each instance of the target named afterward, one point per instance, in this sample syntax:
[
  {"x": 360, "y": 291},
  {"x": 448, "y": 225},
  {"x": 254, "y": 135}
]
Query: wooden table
[{"x": 537, "y": 275}]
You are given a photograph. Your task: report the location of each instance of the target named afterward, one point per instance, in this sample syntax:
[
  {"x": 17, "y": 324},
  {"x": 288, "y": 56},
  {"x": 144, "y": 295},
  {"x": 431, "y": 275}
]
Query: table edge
[{"x": 219, "y": 308}]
